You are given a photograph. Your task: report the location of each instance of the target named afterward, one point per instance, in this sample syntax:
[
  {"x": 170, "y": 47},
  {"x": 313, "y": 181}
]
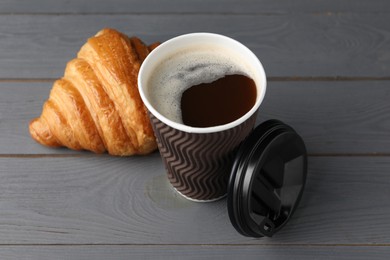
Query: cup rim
[{"x": 258, "y": 68}]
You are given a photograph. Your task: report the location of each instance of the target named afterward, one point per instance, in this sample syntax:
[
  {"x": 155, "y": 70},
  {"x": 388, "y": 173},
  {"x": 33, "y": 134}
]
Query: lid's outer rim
[
  {"x": 236, "y": 176},
  {"x": 238, "y": 206},
  {"x": 271, "y": 135},
  {"x": 238, "y": 173}
]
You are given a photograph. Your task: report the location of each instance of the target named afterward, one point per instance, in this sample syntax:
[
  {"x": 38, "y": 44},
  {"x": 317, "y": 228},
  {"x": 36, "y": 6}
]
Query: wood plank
[
  {"x": 351, "y": 45},
  {"x": 192, "y": 252},
  {"x": 191, "y": 6},
  {"x": 106, "y": 200},
  {"x": 332, "y": 117}
]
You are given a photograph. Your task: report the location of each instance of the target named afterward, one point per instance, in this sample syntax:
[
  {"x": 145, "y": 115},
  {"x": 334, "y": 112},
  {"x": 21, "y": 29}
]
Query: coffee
[
  {"x": 219, "y": 102},
  {"x": 197, "y": 67}
]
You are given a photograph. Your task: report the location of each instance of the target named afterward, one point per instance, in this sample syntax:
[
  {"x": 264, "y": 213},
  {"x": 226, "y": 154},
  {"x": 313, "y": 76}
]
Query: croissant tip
[
  {"x": 31, "y": 125},
  {"x": 40, "y": 133},
  {"x": 153, "y": 46},
  {"x": 106, "y": 30},
  {"x": 33, "y": 130}
]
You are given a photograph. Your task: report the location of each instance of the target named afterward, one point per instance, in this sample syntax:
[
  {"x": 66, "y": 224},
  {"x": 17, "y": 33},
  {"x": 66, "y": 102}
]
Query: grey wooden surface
[
  {"x": 105, "y": 200},
  {"x": 290, "y": 45},
  {"x": 328, "y": 64}
]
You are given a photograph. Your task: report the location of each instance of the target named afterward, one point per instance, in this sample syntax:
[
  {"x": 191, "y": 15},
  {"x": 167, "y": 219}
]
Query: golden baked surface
[{"x": 96, "y": 105}]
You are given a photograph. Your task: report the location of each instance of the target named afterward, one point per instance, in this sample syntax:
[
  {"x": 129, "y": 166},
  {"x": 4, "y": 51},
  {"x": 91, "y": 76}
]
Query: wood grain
[
  {"x": 191, "y": 6},
  {"x": 106, "y": 200},
  {"x": 191, "y": 252},
  {"x": 291, "y": 45},
  {"x": 329, "y": 65},
  {"x": 332, "y": 117}
]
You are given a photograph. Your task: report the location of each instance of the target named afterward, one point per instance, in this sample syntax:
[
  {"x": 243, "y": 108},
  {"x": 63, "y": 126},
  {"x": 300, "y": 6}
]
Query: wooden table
[{"x": 328, "y": 66}]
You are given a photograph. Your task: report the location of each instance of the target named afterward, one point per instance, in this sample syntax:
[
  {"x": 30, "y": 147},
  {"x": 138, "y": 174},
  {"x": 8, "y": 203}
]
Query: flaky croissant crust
[{"x": 96, "y": 105}]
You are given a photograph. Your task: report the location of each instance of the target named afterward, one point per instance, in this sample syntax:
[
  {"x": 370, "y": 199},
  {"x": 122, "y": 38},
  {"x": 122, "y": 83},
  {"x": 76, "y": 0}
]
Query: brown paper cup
[
  {"x": 199, "y": 160},
  {"x": 198, "y": 165}
]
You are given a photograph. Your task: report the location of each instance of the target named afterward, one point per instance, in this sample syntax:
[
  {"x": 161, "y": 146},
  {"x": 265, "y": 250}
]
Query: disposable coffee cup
[
  {"x": 199, "y": 159},
  {"x": 262, "y": 171}
]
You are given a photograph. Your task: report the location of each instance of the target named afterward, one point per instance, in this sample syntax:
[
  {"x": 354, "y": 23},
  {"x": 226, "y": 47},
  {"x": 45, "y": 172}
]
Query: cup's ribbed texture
[{"x": 199, "y": 165}]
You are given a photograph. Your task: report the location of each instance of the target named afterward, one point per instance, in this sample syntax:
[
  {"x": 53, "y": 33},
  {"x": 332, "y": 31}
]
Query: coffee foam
[{"x": 186, "y": 68}]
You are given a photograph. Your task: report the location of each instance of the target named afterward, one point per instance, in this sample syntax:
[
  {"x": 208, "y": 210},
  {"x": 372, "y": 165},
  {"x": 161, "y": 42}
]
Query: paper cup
[{"x": 199, "y": 159}]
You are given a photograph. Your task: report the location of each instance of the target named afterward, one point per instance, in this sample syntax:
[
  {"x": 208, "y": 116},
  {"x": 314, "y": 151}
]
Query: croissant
[{"x": 96, "y": 105}]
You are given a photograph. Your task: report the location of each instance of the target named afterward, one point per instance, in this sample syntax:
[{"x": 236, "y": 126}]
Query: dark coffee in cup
[
  {"x": 219, "y": 102},
  {"x": 202, "y": 86}
]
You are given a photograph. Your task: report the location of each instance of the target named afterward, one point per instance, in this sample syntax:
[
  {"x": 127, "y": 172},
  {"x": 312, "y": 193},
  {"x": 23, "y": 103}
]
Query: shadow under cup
[{"x": 199, "y": 160}]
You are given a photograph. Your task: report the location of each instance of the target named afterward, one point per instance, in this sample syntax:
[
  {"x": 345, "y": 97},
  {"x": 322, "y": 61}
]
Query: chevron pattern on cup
[{"x": 199, "y": 165}]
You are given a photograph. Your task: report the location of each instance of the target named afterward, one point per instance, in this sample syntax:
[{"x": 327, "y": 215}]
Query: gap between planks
[
  {"x": 87, "y": 155},
  {"x": 274, "y": 79},
  {"x": 214, "y": 245},
  {"x": 322, "y": 13}
]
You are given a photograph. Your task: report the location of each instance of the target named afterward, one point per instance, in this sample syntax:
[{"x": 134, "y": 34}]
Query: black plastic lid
[{"x": 267, "y": 179}]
